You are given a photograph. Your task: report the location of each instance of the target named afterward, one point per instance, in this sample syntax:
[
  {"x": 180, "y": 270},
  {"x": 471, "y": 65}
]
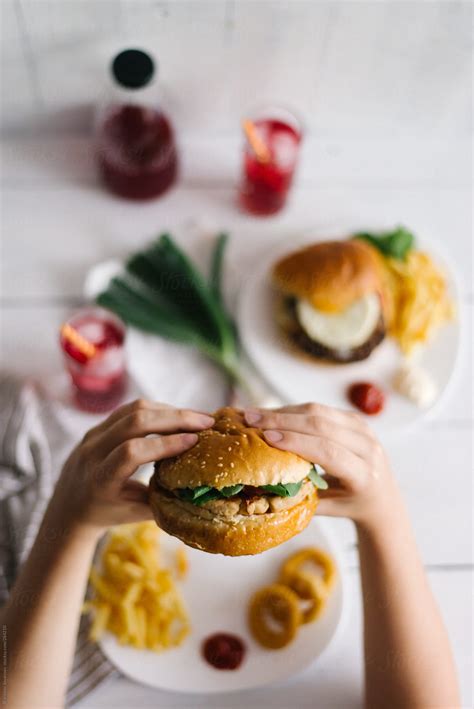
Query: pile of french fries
[
  {"x": 418, "y": 299},
  {"x": 133, "y": 595}
]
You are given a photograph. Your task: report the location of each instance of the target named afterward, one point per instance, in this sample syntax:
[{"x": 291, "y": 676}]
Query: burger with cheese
[
  {"x": 331, "y": 304},
  {"x": 232, "y": 493}
]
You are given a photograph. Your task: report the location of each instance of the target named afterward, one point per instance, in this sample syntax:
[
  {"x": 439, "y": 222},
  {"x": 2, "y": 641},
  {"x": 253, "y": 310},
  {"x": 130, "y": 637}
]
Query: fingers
[
  {"x": 136, "y": 512},
  {"x": 311, "y": 424},
  {"x": 334, "y": 457},
  {"x": 128, "y": 456},
  {"x": 142, "y": 422},
  {"x": 348, "y": 419},
  {"x": 333, "y": 505},
  {"x": 132, "y": 407},
  {"x": 119, "y": 413},
  {"x": 135, "y": 491}
]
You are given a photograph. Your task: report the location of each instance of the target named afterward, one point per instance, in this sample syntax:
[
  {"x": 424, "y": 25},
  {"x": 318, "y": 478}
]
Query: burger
[
  {"x": 330, "y": 302},
  {"x": 232, "y": 493}
]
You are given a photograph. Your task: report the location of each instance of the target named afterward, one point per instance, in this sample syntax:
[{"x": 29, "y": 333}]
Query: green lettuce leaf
[
  {"x": 317, "y": 480},
  {"x": 231, "y": 490},
  {"x": 396, "y": 243},
  {"x": 200, "y": 495},
  {"x": 192, "y": 494},
  {"x": 210, "y": 496},
  {"x": 288, "y": 490}
]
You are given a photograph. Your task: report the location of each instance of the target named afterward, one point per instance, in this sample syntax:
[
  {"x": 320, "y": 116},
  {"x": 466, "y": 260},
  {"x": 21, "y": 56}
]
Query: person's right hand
[
  {"x": 94, "y": 490},
  {"x": 361, "y": 485}
]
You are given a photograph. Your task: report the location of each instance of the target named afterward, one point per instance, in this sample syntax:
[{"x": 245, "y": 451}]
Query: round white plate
[
  {"x": 217, "y": 591},
  {"x": 297, "y": 378}
]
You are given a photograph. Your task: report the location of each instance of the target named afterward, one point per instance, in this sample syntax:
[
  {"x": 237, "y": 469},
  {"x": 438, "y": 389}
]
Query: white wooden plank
[
  {"x": 385, "y": 65},
  {"x": 335, "y": 681},
  {"x": 51, "y": 23},
  {"x": 73, "y": 51},
  {"x": 17, "y": 96},
  {"x": 190, "y": 42},
  {"x": 52, "y": 162},
  {"x": 355, "y": 70},
  {"x": 50, "y": 237},
  {"x": 432, "y": 463},
  {"x": 70, "y": 48},
  {"x": 278, "y": 50}
]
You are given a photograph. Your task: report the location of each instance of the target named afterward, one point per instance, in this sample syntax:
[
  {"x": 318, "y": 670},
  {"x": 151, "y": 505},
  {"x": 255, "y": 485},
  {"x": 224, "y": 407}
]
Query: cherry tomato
[{"x": 367, "y": 397}]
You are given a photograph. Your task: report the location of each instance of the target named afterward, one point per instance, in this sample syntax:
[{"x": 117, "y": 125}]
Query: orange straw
[
  {"x": 80, "y": 343},
  {"x": 259, "y": 147}
]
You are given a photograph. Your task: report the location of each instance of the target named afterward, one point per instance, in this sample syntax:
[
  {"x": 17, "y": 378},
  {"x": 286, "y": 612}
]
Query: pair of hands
[{"x": 94, "y": 490}]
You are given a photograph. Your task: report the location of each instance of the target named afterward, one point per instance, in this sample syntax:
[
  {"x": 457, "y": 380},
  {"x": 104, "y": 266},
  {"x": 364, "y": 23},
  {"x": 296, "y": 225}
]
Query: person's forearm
[
  {"x": 42, "y": 616},
  {"x": 408, "y": 658}
]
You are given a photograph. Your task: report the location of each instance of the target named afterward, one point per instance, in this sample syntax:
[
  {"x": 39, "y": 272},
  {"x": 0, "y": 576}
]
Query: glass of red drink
[
  {"x": 136, "y": 149},
  {"x": 93, "y": 343},
  {"x": 267, "y": 179}
]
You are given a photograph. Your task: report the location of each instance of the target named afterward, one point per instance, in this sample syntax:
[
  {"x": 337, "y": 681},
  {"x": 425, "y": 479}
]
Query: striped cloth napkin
[{"x": 33, "y": 445}]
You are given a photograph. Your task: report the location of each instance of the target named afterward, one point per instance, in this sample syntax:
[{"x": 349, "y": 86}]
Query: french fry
[
  {"x": 416, "y": 298},
  {"x": 141, "y": 627},
  {"x": 99, "y": 624},
  {"x": 135, "y": 598},
  {"x": 181, "y": 562}
]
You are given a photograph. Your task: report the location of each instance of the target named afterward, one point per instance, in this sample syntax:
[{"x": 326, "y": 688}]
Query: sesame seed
[{"x": 220, "y": 465}]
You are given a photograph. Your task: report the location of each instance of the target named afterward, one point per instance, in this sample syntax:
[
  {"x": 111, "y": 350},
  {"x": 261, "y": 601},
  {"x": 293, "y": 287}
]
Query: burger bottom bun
[{"x": 236, "y": 536}]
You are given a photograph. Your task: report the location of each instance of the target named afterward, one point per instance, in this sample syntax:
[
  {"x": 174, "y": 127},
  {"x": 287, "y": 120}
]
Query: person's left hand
[
  {"x": 94, "y": 490},
  {"x": 361, "y": 484}
]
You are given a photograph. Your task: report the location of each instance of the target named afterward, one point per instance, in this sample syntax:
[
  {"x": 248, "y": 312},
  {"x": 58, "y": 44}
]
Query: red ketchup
[
  {"x": 223, "y": 651},
  {"x": 367, "y": 397}
]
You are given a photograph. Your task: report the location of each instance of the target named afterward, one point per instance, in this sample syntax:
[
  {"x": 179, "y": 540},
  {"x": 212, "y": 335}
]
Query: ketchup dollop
[
  {"x": 367, "y": 397},
  {"x": 223, "y": 651}
]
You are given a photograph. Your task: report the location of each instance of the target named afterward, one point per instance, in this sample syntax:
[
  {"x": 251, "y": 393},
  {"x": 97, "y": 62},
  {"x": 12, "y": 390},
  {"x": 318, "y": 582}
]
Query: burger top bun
[
  {"x": 331, "y": 275},
  {"x": 231, "y": 453}
]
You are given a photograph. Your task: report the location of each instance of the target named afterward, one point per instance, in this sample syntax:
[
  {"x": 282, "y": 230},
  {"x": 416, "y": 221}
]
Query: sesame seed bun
[{"x": 231, "y": 453}]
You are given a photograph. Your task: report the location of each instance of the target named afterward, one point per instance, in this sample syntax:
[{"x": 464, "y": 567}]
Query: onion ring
[
  {"x": 293, "y": 565},
  {"x": 274, "y": 616},
  {"x": 309, "y": 587}
]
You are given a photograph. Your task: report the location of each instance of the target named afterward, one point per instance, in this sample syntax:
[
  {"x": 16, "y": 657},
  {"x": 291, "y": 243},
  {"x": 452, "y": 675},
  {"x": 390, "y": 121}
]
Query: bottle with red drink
[{"x": 136, "y": 149}]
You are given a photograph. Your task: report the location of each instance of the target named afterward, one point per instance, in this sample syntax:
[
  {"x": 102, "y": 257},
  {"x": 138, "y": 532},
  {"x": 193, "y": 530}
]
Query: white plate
[
  {"x": 298, "y": 379},
  {"x": 217, "y": 591}
]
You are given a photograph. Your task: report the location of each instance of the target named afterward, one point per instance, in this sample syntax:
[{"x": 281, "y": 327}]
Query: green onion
[{"x": 163, "y": 293}]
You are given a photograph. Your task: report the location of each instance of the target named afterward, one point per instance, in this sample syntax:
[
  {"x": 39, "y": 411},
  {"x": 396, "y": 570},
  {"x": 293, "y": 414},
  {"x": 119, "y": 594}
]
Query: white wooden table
[{"x": 57, "y": 222}]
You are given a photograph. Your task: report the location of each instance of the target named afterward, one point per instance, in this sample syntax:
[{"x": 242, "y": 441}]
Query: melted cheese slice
[{"x": 350, "y": 328}]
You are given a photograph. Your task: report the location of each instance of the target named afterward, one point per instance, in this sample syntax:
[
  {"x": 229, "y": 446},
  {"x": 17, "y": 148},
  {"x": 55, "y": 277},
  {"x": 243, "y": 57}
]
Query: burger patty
[{"x": 302, "y": 340}]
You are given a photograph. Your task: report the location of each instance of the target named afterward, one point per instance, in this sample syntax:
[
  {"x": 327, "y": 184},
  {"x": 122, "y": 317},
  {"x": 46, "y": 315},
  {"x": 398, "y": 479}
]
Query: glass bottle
[{"x": 136, "y": 150}]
